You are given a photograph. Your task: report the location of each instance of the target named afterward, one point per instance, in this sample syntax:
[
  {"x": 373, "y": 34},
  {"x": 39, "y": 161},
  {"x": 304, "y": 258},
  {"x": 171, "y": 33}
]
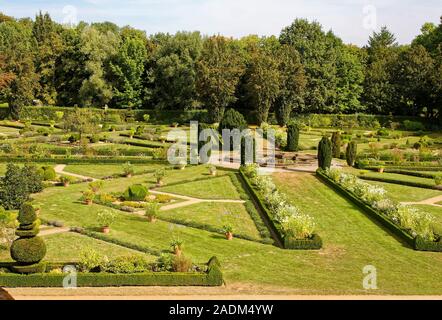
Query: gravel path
[
  {"x": 431, "y": 202},
  {"x": 59, "y": 168}
]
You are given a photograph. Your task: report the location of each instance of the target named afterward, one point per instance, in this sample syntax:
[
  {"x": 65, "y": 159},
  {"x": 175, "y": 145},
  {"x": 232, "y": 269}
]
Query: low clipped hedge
[
  {"x": 416, "y": 243},
  {"x": 314, "y": 243},
  {"x": 84, "y": 160},
  {"x": 212, "y": 277},
  {"x": 429, "y": 185}
]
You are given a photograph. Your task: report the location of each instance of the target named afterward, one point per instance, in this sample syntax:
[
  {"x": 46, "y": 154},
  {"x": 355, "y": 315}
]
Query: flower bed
[
  {"x": 211, "y": 276},
  {"x": 413, "y": 226},
  {"x": 294, "y": 228}
]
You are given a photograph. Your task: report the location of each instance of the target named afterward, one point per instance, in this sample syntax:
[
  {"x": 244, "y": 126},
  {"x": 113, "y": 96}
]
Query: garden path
[
  {"x": 54, "y": 231},
  {"x": 59, "y": 168},
  {"x": 188, "y": 201},
  {"x": 431, "y": 202}
]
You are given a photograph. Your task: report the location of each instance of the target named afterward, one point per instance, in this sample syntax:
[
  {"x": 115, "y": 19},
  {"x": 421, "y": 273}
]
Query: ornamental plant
[
  {"x": 128, "y": 169},
  {"x": 159, "y": 176},
  {"x": 177, "y": 246},
  {"x": 324, "y": 153},
  {"x": 336, "y": 144},
  {"x": 293, "y": 137},
  {"x": 29, "y": 249},
  {"x": 152, "y": 210},
  {"x": 106, "y": 218},
  {"x": 351, "y": 153}
]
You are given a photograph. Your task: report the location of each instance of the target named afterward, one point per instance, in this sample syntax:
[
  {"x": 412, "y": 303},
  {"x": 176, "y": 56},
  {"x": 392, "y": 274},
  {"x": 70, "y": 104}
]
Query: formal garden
[
  {"x": 344, "y": 180},
  {"x": 135, "y": 219}
]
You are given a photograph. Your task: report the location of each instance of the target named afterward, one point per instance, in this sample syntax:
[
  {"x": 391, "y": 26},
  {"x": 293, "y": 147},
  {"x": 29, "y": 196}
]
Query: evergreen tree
[
  {"x": 351, "y": 153},
  {"x": 324, "y": 153},
  {"x": 336, "y": 144},
  {"x": 292, "y": 137}
]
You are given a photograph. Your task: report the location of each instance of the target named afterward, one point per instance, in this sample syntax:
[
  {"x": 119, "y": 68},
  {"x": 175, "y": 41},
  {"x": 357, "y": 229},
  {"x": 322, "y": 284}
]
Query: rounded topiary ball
[
  {"x": 28, "y": 250},
  {"x": 27, "y": 214}
]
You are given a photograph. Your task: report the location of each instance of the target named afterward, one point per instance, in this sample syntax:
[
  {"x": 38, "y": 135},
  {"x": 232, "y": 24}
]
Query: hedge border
[
  {"x": 394, "y": 181},
  {"x": 415, "y": 243},
  {"x": 104, "y": 160},
  {"x": 314, "y": 243},
  {"x": 212, "y": 277}
]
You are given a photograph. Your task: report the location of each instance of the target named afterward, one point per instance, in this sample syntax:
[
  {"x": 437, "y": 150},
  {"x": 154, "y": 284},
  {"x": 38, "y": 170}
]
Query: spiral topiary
[{"x": 28, "y": 249}]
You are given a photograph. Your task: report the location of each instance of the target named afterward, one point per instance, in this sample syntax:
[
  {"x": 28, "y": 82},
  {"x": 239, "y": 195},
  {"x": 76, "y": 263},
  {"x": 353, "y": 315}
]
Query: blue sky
[{"x": 353, "y": 20}]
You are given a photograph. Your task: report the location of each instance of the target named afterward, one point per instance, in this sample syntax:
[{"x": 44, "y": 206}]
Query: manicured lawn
[
  {"x": 405, "y": 193},
  {"x": 216, "y": 215},
  {"x": 212, "y": 188},
  {"x": 66, "y": 247},
  {"x": 399, "y": 178},
  {"x": 351, "y": 241}
]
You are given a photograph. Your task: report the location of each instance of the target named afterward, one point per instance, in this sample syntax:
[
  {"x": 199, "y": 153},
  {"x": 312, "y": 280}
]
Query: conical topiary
[
  {"x": 324, "y": 153},
  {"x": 29, "y": 249},
  {"x": 351, "y": 153},
  {"x": 292, "y": 137},
  {"x": 336, "y": 144}
]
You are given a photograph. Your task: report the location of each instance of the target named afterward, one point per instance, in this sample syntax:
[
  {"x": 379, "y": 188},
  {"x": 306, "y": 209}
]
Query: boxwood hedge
[{"x": 212, "y": 277}]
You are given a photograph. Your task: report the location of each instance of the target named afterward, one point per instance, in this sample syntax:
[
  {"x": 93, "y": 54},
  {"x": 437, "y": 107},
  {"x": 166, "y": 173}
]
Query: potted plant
[
  {"x": 162, "y": 139},
  {"x": 212, "y": 170},
  {"x": 65, "y": 180},
  {"x": 159, "y": 175},
  {"x": 105, "y": 219},
  {"x": 152, "y": 210},
  {"x": 88, "y": 197},
  {"x": 128, "y": 170},
  {"x": 228, "y": 232},
  {"x": 177, "y": 246},
  {"x": 131, "y": 133},
  {"x": 381, "y": 169},
  {"x": 95, "y": 186}
]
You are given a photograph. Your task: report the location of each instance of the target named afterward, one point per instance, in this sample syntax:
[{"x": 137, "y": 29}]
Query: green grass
[
  {"x": 406, "y": 193},
  {"x": 399, "y": 178},
  {"x": 216, "y": 215},
  {"x": 66, "y": 247},
  {"x": 351, "y": 241},
  {"x": 212, "y": 188}
]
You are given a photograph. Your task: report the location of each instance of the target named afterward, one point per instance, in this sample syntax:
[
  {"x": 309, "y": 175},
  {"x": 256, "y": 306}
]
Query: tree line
[{"x": 304, "y": 70}]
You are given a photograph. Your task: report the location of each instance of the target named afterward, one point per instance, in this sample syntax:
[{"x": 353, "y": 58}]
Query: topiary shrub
[
  {"x": 324, "y": 153},
  {"x": 27, "y": 215},
  {"x": 336, "y": 144},
  {"x": 351, "y": 153},
  {"x": 293, "y": 137},
  {"x": 136, "y": 192},
  {"x": 248, "y": 147},
  {"x": 28, "y": 249},
  {"x": 47, "y": 173},
  {"x": 232, "y": 119}
]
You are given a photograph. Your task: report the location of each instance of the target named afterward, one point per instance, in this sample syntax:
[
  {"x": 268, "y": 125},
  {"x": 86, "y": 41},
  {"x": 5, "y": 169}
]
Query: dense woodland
[{"x": 304, "y": 70}]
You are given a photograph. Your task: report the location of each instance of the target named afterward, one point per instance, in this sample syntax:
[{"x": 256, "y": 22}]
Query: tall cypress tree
[
  {"x": 292, "y": 137},
  {"x": 324, "y": 153},
  {"x": 336, "y": 144},
  {"x": 351, "y": 153}
]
